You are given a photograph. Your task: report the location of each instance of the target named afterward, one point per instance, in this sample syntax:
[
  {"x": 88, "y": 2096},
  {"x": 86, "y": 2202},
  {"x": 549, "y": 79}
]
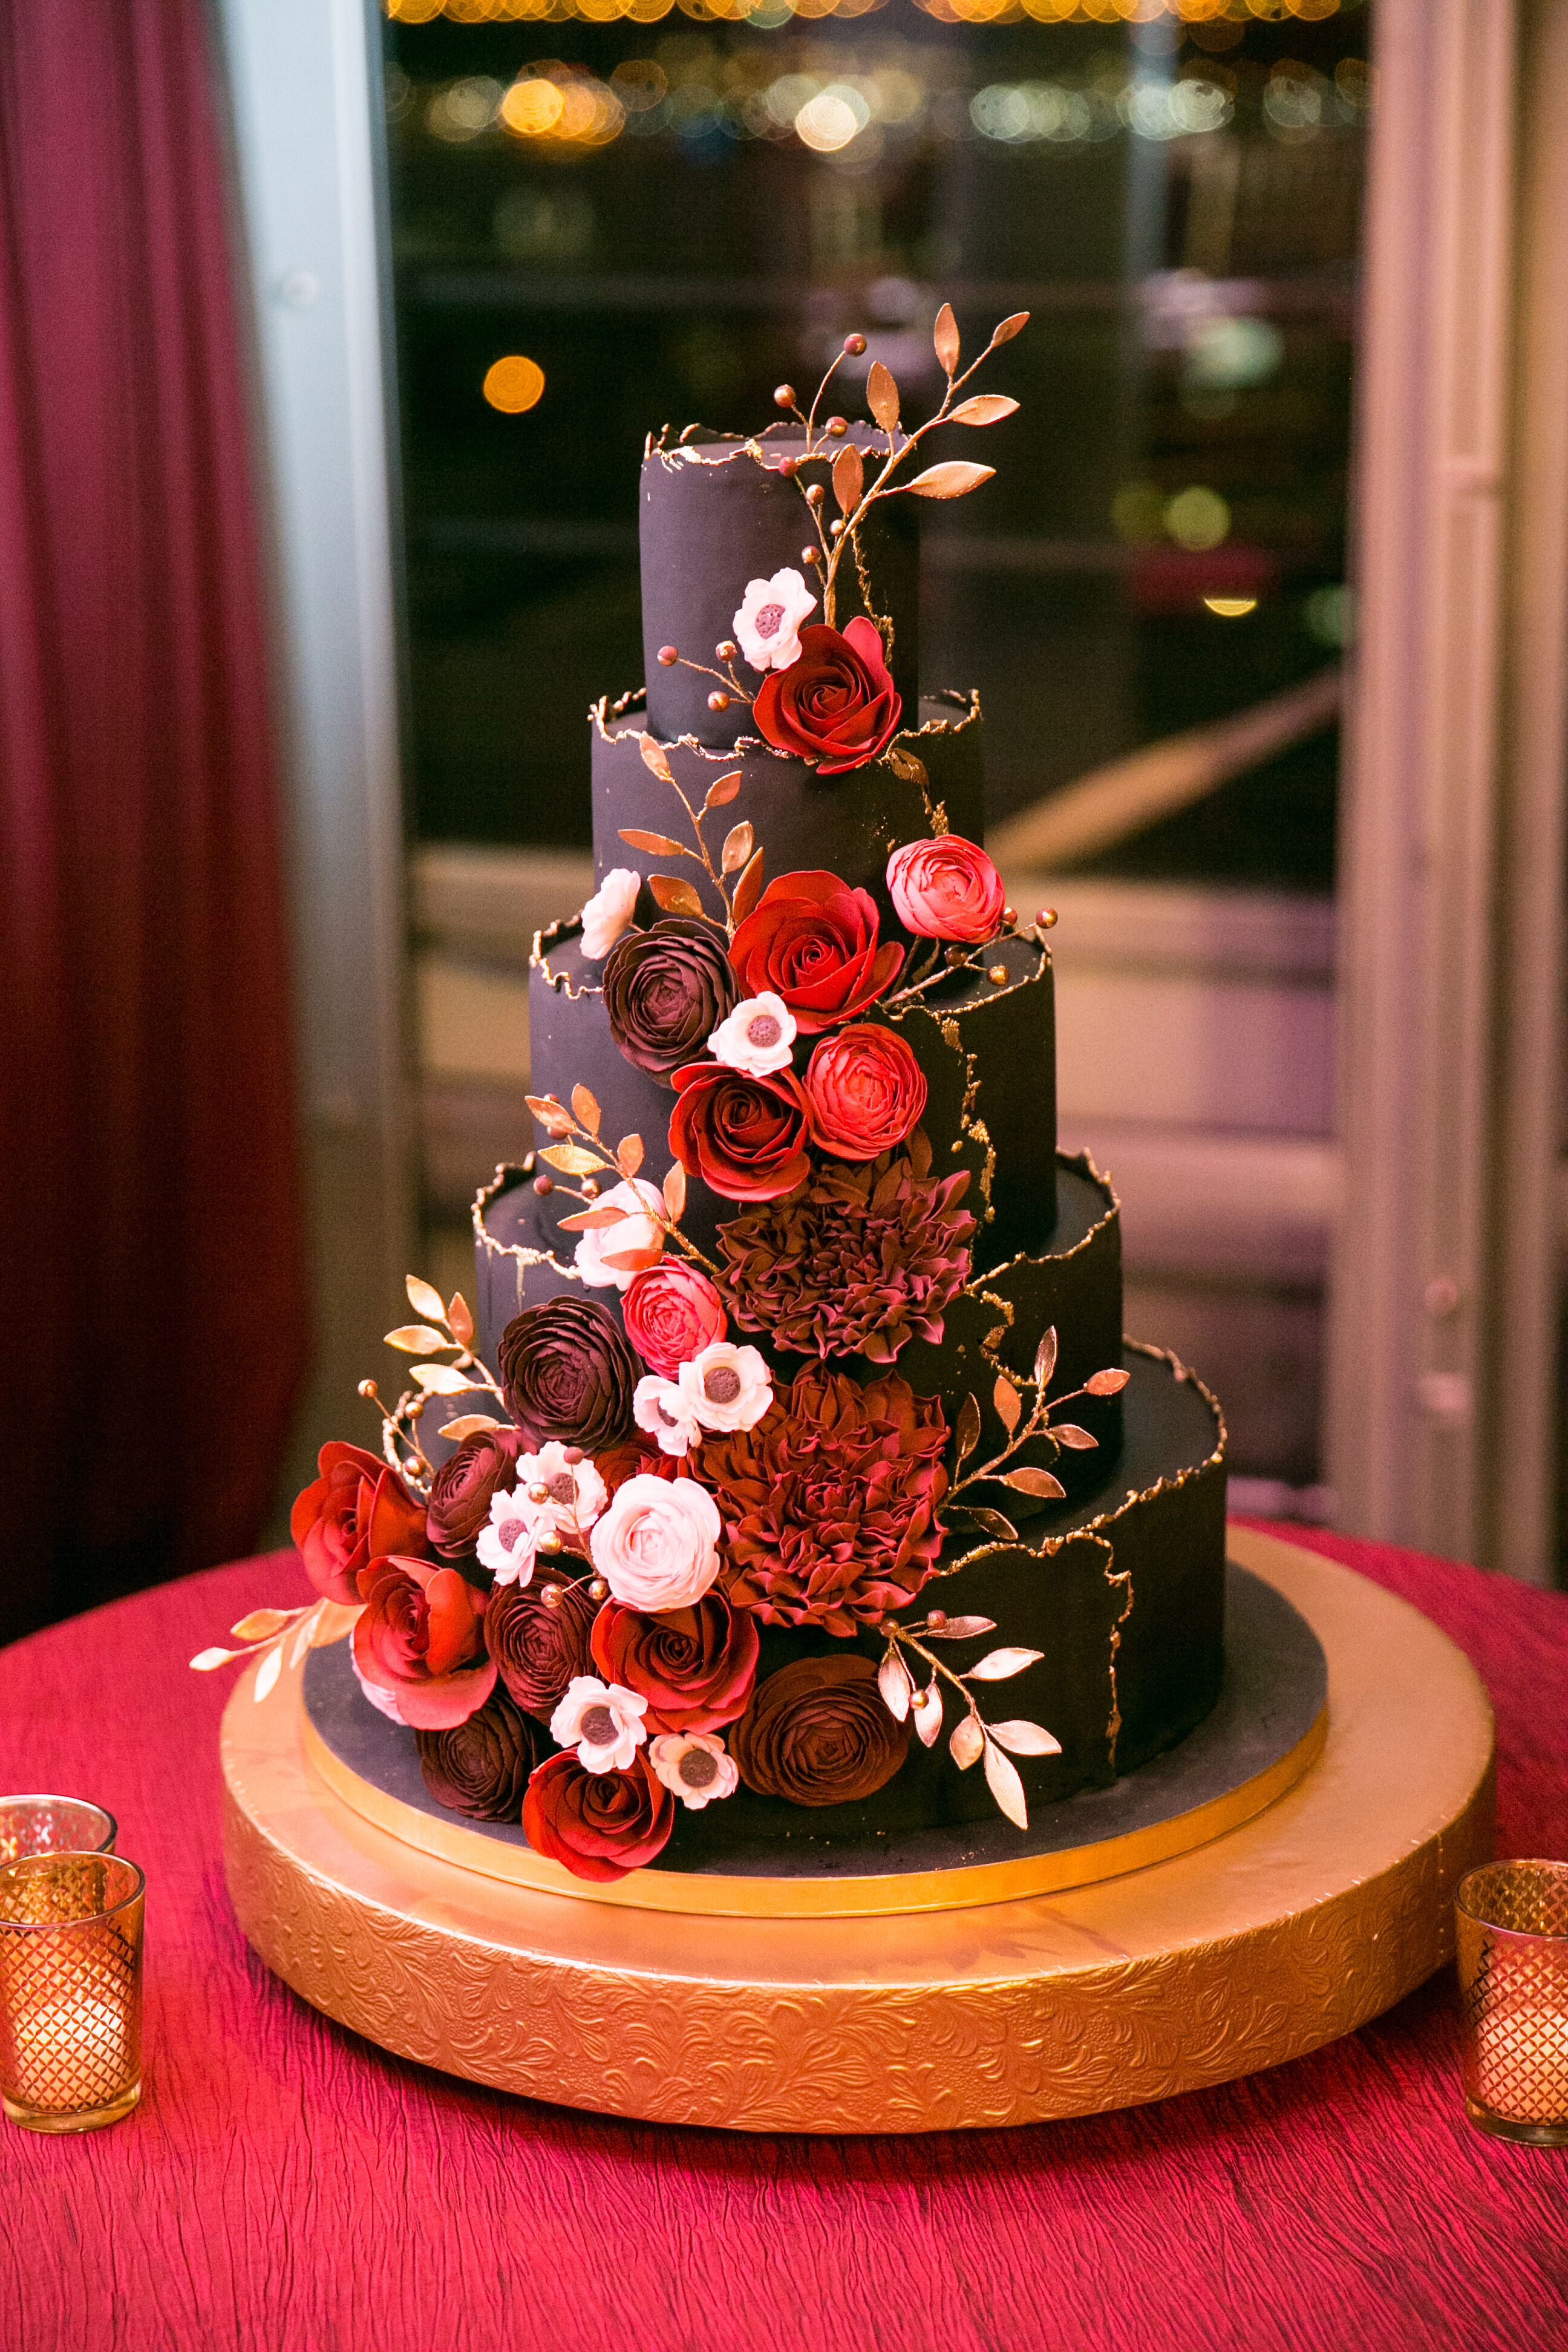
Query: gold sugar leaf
[
  {"x": 927, "y": 1714},
  {"x": 261, "y": 1624},
  {"x": 629, "y": 1155},
  {"x": 1025, "y": 1738},
  {"x": 882, "y": 397},
  {"x": 893, "y": 1682},
  {"x": 550, "y": 1114},
  {"x": 1035, "y": 1482},
  {"x": 425, "y": 1299},
  {"x": 593, "y": 1221},
  {"x": 636, "y": 1261},
  {"x": 1076, "y": 1440},
  {"x": 986, "y": 408},
  {"x": 416, "y": 1338},
  {"x": 1011, "y": 326},
  {"x": 996, "y": 1666},
  {"x": 1107, "y": 1383},
  {"x": 653, "y": 756},
  {"x": 205, "y": 1660},
  {"x": 673, "y": 896},
  {"x": 571, "y": 1159},
  {"x": 739, "y": 844},
  {"x": 442, "y": 1380},
  {"x": 967, "y": 1743},
  {"x": 585, "y": 1109},
  {"x": 991, "y": 1523},
  {"x": 459, "y": 1319},
  {"x": 658, "y": 843},
  {"x": 953, "y": 479},
  {"x": 266, "y": 1673},
  {"x": 1007, "y": 1401},
  {"x": 470, "y": 1424},
  {"x": 1002, "y": 1779},
  {"x": 944, "y": 338},
  {"x": 850, "y": 475},
  {"x": 968, "y": 1436},
  {"x": 961, "y": 1629},
  {"x": 1046, "y": 1358},
  {"x": 721, "y": 793},
  {"x": 749, "y": 889},
  {"x": 675, "y": 1193}
]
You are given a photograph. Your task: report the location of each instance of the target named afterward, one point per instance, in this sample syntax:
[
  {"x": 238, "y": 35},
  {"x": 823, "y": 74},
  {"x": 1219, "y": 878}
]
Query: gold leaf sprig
[
  {"x": 853, "y": 494},
  {"x": 1021, "y": 1427},
  {"x": 267, "y": 1631},
  {"x": 739, "y": 854},
  {"x": 973, "y": 1737},
  {"x": 576, "y": 1150},
  {"x": 447, "y": 1329}
]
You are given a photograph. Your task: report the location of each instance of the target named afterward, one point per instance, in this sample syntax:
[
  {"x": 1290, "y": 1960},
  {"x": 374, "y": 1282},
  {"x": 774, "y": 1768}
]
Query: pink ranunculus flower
[
  {"x": 756, "y": 1037},
  {"x": 602, "y": 1721},
  {"x": 657, "y": 1547},
  {"x": 609, "y": 911},
  {"x": 725, "y": 1387},
  {"x": 694, "y": 1766},
  {"x": 946, "y": 890},
  {"x": 767, "y": 626},
  {"x": 634, "y": 1236}
]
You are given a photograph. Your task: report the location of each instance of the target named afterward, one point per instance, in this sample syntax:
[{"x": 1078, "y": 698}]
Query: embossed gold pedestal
[{"x": 1275, "y": 1938}]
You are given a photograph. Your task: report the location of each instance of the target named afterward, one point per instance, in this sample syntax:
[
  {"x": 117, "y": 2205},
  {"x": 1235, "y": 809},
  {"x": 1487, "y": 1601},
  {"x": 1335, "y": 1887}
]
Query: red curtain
[{"x": 152, "y": 1290}]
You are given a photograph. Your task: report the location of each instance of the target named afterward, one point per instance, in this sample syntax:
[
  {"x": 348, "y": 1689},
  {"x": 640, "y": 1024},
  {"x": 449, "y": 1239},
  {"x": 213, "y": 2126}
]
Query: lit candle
[
  {"x": 1522, "y": 2057},
  {"x": 69, "y": 2054}
]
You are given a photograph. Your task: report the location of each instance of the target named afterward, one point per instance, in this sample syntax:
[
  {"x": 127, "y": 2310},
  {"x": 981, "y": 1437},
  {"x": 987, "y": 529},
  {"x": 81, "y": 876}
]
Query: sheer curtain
[{"x": 153, "y": 1281}]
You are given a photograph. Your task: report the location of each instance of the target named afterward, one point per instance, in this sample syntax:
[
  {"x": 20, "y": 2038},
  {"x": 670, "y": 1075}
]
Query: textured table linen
[{"x": 286, "y": 2185}]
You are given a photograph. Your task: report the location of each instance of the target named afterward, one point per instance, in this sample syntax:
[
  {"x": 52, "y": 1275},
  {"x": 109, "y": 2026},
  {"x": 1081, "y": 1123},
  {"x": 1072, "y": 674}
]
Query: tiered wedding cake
[{"x": 814, "y": 1509}]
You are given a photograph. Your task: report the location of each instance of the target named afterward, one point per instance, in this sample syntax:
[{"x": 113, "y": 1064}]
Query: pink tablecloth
[{"x": 284, "y": 2185}]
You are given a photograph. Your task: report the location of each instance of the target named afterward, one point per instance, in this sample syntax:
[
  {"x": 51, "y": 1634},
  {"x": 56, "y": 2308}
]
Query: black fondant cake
[{"x": 797, "y": 1483}]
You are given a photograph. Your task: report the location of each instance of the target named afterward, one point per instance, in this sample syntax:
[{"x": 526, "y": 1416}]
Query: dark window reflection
[{"x": 666, "y": 218}]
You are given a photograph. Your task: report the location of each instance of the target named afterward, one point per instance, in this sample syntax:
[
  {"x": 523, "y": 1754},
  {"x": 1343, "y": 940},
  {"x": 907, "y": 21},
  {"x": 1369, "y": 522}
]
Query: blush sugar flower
[
  {"x": 725, "y": 1387},
  {"x": 638, "y": 1235},
  {"x": 603, "y": 1722},
  {"x": 756, "y": 1037},
  {"x": 694, "y": 1767},
  {"x": 609, "y": 911},
  {"x": 667, "y": 1413},
  {"x": 767, "y": 626},
  {"x": 657, "y": 1547}
]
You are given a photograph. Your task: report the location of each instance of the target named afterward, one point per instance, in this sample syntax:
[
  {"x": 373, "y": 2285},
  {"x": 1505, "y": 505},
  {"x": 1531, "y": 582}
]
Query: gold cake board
[{"x": 1296, "y": 1927}]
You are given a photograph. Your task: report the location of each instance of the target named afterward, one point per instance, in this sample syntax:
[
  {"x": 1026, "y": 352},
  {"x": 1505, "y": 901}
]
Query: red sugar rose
[
  {"x": 946, "y": 890},
  {"x": 694, "y": 1666},
  {"x": 599, "y": 1824},
  {"x": 745, "y": 1138},
  {"x": 866, "y": 1089},
  {"x": 672, "y": 1312},
  {"x": 834, "y": 705},
  {"x": 420, "y": 1636},
  {"x": 356, "y": 1509},
  {"x": 813, "y": 940}
]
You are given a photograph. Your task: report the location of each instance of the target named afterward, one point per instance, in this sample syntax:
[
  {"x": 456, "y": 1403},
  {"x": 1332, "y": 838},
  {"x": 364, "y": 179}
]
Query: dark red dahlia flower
[
  {"x": 356, "y": 1510},
  {"x": 855, "y": 1261},
  {"x": 814, "y": 942},
  {"x": 830, "y": 1503},
  {"x": 833, "y": 707},
  {"x": 599, "y": 1824},
  {"x": 695, "y": 1666}
]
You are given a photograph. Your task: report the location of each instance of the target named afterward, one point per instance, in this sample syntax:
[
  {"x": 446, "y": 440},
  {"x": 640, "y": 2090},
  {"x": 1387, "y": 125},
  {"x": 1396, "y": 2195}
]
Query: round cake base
[{"x": 1293, "y": 1929}]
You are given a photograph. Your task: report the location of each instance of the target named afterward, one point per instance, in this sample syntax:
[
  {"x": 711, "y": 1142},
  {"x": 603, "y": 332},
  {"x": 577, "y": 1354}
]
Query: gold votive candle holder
[
  {"x": 54, "y": 1825},
  {"x": 71, "y": 1989},
  {"x": 1513, "y": 1952}
]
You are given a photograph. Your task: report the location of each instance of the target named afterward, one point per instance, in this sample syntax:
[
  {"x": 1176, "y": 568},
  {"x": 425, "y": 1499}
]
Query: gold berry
[
  {"x": 854, "y": 345},
  {"x": 551, "y": 1595},
  {"x": 1047, "y": 917},
  {"x": 367, "y": 1388},
  {"x": 997, "y": 974},
  {"x": 598, "y": 1589},
  {"x": 937, "y": 1618},
  {"x": 783, "y": 395},
  {"x": 667, "y": 656},
  {"x": 718, "y": 700},
  {"x": 543, "y": 1186},
  {"x": 725, "y": 649},
  {"x": 811, "y": 554},
  {"x": 815, "y": 494},
  {"x": 590, "y": 1188},
  {"x": 1009, "y": 916},
  {"x": 789, "y": 468},
  {"x": 837, "y": 426}
]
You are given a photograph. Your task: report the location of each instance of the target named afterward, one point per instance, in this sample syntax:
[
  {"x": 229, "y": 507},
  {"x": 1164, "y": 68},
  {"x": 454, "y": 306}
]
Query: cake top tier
[
  {"x": 794, "y": 553},
  {"x": 718, "y": 514}
]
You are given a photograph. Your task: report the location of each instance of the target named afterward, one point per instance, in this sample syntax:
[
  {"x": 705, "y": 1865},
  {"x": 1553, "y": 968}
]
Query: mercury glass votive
[
  {"x": 71, "y": 1991},
  {"x": 53, "y": 1825},
  {"x": 1513, "y": 1952}
]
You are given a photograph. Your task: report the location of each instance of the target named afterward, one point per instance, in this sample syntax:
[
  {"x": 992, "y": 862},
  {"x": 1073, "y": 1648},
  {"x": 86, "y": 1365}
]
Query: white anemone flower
[
  {"x": 725, "y": 1387},
  {"x": 694, "y": 1767},
  {"x": 756, "y": 1037},
  {"x": 659, "y": 1407},
  {"x": 609, "y": 911},
  {"x": 768, "y": 624},
  {"x": 602, "y": 1721}
]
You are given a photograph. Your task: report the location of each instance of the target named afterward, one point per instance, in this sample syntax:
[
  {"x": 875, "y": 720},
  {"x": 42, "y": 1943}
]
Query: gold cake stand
[{"x": 1313, "y": 1916}]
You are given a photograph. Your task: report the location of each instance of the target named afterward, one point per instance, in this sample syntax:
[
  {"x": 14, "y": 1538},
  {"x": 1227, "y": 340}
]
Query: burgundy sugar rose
[
  {"x": 813, "y": 941},
  {"x": 538, "y": 1647},
  {"x": 830, "y": 1503},
  {"x": 599, "y": 1824},
  {"x": 671, "y": 1311},
  {"x": 854, "y": 1263},
  {"x": 480, "y": 1766},
  {"x": 946, "y": 890},
  {"x": 695, "y": 1666},
  {"x": 835, "y": 706},
  {"x": 356, "y": 1509},
  {"x": 819, "y": 1733},
  {"x": 866, "y": 1090},
  {"x": 566, "y": 1371},
  {"x": 666, "y": 991},
  {"x": 420, "y": 1638},
  {"x": 460, "y": 1491},
  {"x": 744, "y": 1136}
]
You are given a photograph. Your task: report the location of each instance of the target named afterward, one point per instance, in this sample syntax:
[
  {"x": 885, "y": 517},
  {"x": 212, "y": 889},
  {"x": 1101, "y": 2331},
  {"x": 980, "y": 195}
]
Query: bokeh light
[
  {"x": 513, "y": 384},
  {"x": 1197, "y": 519}
]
